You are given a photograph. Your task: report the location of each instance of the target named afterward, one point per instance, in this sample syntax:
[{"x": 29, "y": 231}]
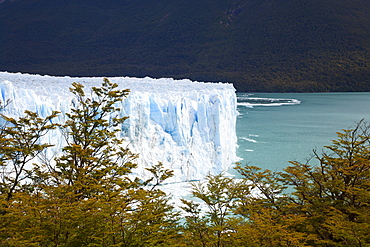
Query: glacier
[{"x": 189, "y": 126}]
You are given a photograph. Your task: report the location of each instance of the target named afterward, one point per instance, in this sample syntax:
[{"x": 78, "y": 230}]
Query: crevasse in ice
[{"x": 188, "y": 126}]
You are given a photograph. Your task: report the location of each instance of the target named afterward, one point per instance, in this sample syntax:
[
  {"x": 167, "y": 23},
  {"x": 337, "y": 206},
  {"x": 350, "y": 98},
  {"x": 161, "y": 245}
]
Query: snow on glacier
[{"x": 188, "y": 126}]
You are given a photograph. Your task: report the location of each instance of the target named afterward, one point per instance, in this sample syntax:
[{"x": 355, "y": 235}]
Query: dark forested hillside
[{"x": 259, "y": 45}]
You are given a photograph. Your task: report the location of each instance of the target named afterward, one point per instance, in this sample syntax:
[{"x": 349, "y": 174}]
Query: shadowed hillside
[{"x": 259, "y": 45}]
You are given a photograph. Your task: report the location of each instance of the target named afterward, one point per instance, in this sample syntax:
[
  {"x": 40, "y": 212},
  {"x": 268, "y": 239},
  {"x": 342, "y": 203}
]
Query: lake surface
[{"x": 274, "y": 129}]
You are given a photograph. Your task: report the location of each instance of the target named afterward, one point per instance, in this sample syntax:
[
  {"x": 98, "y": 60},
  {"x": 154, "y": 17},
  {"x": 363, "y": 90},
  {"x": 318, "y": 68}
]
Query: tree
[
  {"x": 87, "y": 196},
  {"x": 335, "y": 194},
  {"x": 268, "y": 220},
  {"x": 215, "y": 225},
  {"x": 20, "y": 144},
  {"x": 92, "y": 149},
  {"x": 324, "y": 204}
]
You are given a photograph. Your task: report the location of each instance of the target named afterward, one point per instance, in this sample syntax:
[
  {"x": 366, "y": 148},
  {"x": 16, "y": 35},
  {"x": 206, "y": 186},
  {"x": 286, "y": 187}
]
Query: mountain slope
[{"x": 259, "y": 45}]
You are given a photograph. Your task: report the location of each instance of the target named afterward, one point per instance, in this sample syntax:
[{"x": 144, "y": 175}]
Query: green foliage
[
  {"x": 266, "y": 46},
  {"x": 85, "y": 196},
  {"x": 324, "y": 204},
  {"x": 213, "y": 227},
  {"x": 93, "y": 154},
  {"x": 335, "y": 193},
  {"x": 20, "y": 143}
]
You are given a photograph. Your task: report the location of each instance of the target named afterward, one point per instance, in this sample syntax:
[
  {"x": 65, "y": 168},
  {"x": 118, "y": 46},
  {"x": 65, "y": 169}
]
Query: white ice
[{"x": 188, "y": 126}]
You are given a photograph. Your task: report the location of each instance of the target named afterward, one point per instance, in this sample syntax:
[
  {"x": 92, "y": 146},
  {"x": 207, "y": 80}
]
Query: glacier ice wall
[{"x": 188, "y": 126}]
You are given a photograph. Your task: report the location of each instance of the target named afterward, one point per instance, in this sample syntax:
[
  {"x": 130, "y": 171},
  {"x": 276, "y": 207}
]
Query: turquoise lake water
[{"x": 274, "y": 129}]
